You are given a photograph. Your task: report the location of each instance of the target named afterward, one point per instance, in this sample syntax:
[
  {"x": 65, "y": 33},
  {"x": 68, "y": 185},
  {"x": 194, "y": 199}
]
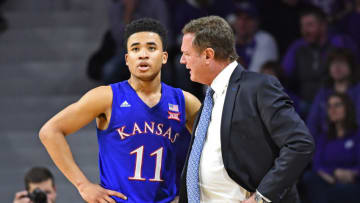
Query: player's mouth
[{"x": 143, "y": 66}]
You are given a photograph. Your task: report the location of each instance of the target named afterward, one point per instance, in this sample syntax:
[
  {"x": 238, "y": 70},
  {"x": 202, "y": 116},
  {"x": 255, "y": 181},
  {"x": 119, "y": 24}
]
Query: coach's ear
[{"x": 209, "y": 54}]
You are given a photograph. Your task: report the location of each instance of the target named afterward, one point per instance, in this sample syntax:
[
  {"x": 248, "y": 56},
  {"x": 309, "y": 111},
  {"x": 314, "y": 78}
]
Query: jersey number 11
[{"x": 138, "y": 165}]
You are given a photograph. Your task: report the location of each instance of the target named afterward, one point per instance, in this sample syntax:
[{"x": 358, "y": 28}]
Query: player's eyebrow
[
  {"x": 134, "y": 44},
  {"x": 151, "y": 43},
  {"x": 148, "y": 43}
]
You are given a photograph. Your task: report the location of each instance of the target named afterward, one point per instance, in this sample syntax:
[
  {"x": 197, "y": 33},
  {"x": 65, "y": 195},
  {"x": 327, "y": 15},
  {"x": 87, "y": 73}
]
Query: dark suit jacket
[{"x": 264, "y": 143}]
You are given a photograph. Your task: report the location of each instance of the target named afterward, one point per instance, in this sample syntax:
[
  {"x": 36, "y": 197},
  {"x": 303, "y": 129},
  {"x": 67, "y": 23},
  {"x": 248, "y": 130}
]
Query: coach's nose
[{"x": 182, "y": 59}]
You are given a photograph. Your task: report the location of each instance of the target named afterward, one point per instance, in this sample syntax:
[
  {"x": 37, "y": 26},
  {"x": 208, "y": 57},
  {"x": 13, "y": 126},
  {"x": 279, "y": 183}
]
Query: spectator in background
[
  {"x": 350, "y": 23},
  {"x": 342, "y": 76},
  {"x": 102, "y": 55},
  {"x": 37, "y": 178},
  {"x": 334, "y": 9},
  {"x": 275, "y": 69},
  {"x": 282, "y": 19},
  {"x": 254, "y": 46},
  {"x": 304, "y": 62},
  {"x": 3, "y": 21},
  {"x": 336, "y": 164}
]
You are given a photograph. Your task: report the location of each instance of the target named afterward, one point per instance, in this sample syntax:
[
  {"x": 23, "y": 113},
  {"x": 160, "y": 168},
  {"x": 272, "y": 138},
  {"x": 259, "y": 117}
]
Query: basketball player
[{"x": 140, "y": 124}]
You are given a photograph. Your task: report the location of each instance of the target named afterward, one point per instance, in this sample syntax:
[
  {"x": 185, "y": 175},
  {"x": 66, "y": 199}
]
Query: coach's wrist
[{"x": 259, "y": 198}]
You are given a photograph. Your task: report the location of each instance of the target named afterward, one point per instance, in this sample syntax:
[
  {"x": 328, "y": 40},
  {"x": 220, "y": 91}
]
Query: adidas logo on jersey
[{"x": 125, "y": 104}]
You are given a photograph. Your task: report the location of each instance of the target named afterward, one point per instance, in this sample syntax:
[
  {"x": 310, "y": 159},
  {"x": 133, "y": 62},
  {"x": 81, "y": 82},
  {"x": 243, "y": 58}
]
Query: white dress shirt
[{"x": 215, "y": 183}]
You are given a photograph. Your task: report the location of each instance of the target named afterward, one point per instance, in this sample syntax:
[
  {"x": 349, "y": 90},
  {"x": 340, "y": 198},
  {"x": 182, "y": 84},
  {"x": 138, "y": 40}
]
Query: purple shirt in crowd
[
  {"x": 317, "y": 118},
  {"x": 337, "y": 153},
  {"x": 289, "y": 61},
  {"x": 350, "y": 25}
]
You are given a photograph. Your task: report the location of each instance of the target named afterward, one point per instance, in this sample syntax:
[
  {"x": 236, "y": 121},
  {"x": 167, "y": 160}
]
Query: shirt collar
[{"x": 221, "y": 81}]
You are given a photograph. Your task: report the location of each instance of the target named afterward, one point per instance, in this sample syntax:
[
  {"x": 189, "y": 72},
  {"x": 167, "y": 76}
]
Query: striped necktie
[{"x": 192, "y": 175}]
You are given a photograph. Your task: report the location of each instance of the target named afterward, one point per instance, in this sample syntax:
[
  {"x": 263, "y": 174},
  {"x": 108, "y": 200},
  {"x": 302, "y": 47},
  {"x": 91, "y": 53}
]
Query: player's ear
[
  {"x": 165, "y": 57},
  {"x": 126, "y": 59}
]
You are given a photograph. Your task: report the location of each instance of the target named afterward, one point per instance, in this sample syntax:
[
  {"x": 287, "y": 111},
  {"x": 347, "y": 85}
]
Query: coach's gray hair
[{"x": 213, "y": 32}]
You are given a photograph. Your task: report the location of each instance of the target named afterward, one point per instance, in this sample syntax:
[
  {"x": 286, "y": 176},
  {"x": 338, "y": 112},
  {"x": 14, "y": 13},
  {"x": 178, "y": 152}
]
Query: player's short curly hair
[{"x": 146, "y": 25}]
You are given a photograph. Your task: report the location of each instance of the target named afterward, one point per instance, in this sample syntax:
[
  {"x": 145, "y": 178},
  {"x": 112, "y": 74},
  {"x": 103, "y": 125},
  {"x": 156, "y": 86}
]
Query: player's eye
[
  {"x": 135, "y": 49},
  {"x": 152, "y": 48}
]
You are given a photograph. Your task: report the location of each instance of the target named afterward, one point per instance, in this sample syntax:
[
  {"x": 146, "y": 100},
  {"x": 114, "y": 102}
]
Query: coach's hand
[
  {"x": 94, "y": 193},
  {"x": 251, "y": 199}
]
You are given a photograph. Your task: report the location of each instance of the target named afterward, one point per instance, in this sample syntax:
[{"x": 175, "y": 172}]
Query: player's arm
[
  {"x": 192, "y": 106},
  {"x": 94, "y": 103}
]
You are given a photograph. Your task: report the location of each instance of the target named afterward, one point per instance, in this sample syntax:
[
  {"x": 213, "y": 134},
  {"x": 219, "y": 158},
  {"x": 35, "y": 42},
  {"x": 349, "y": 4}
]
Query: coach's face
[{"x": 194, "y": 60}]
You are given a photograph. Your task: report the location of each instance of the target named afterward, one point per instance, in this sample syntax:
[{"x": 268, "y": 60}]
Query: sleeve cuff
[{"x": 266, "y": 199}]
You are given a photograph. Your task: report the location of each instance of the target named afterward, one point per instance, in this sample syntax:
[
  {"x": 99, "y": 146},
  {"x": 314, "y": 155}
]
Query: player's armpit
[{"x": 192, "y": 106}]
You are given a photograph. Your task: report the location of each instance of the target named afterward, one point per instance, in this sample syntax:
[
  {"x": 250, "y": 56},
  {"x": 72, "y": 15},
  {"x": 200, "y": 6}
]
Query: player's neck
[{"x": 145, "y": 87}]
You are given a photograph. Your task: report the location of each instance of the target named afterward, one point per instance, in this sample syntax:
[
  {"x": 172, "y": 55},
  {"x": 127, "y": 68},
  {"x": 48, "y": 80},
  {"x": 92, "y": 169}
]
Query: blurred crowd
[
  {"x": 3, "y": 21},
  {"x": 311, "y": 46}
]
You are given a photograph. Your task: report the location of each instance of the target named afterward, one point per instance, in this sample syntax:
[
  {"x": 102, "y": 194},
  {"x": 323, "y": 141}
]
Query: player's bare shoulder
[
  {"x": 192, "y": 103},
  {"x": 99, "y": 97},
  {"x": 99, "y": 100},
  {"x": 104, "y": 92},
  {"x": 192, "y": 106}
]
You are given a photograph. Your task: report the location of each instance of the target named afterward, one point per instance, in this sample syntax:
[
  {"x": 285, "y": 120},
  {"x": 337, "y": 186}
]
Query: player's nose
[{"x": 143, "y": 54}]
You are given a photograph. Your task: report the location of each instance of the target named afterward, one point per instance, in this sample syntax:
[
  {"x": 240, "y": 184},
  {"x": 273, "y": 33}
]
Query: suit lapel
[{"x": 228, "y": 108}]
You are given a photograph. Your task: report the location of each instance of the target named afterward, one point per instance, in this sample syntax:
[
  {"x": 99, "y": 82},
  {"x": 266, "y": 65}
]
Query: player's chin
[{"x": 146, "y": 76}]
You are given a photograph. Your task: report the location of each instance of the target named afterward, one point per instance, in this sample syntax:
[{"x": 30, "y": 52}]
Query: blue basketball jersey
[{"x": 142, "y": 151}]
